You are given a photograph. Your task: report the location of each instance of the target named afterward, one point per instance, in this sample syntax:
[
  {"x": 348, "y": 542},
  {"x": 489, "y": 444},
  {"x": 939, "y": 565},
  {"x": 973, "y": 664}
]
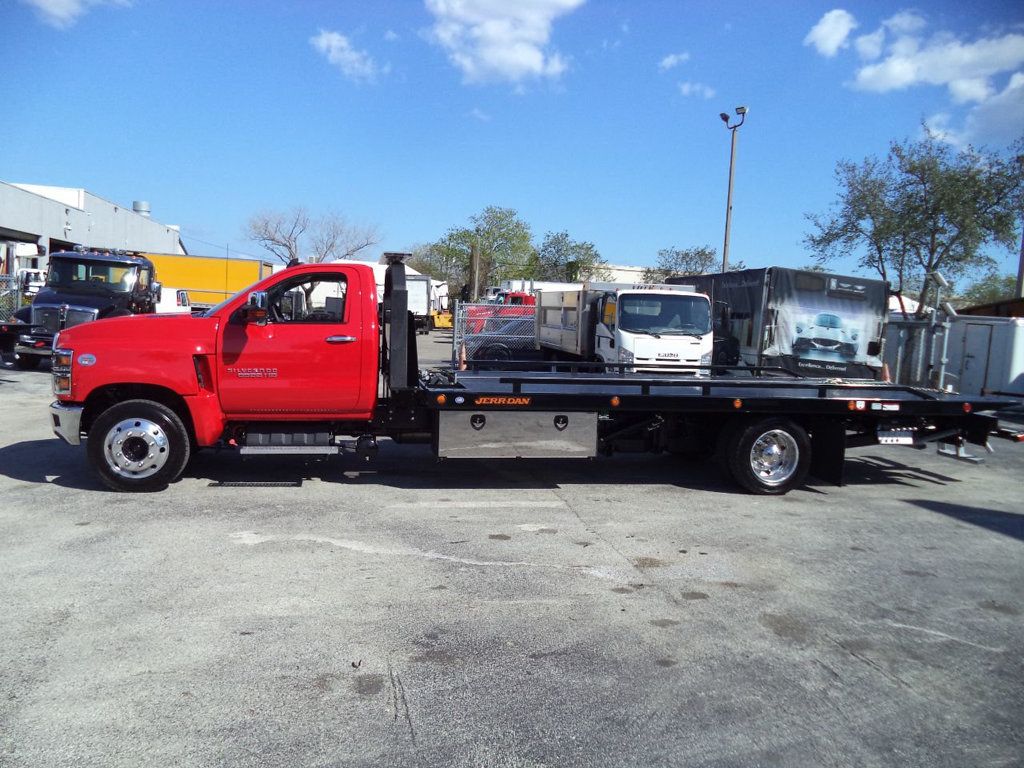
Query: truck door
[{"x": 305, "y": 360}]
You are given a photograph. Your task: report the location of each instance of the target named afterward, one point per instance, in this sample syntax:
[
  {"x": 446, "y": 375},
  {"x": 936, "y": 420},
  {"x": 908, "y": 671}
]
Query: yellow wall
[{"x": 208, "y": 279}]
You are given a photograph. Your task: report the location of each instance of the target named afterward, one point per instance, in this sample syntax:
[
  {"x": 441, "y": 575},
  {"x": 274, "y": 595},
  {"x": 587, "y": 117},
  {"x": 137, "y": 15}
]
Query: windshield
[
  {"x": 827, "y": 320},
  {"x": 218, "y": 307},
  {"x": 95, "y": 276},
  {"x": 664, "y": 313}
]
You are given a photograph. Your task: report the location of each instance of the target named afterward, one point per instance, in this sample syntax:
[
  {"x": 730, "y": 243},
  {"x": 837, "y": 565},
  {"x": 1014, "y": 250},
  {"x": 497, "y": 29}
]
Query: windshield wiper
[{"x": 645, "y": 333}]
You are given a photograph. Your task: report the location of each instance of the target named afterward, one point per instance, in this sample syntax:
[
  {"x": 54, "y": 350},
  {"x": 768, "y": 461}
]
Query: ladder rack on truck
[{"x": 306, "y": 381}]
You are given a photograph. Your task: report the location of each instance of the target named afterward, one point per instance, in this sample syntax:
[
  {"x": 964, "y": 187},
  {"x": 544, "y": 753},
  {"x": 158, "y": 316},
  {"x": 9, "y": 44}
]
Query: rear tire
[
  {"x": 27, "y": 362},
  {"x": 138, "y": 446},
  {"x": 769, "y": 456}
]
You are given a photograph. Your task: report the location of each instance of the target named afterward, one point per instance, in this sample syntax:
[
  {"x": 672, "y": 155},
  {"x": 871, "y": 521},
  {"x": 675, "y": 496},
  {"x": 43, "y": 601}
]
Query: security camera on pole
[{"x": 742, "y": 112}]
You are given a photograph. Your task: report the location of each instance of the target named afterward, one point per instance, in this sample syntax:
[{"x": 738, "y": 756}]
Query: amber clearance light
[{"x": 441, "y": 399}]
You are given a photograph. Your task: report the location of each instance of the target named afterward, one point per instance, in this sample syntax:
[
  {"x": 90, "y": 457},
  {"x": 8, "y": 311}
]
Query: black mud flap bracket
[{"x": 828, "y": 451}]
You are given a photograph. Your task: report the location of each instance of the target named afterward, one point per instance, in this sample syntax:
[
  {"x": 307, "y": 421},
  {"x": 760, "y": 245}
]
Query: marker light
[
  {"x": 967, "y": 408},
  {"x": 737, "y": 403},
  {"x": 615, "y": 401},
  {"x": 441, "y": 399}
]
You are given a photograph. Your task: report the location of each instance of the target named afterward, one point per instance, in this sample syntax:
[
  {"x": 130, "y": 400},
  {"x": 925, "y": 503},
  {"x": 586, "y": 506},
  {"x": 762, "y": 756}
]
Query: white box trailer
[
  {"x": 982, "y": 353},
  {"x": 419, "y": 287}
]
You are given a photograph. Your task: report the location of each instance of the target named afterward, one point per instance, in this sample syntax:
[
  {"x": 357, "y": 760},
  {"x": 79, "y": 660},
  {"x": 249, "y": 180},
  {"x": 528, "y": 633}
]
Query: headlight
[
  {"x": 705, "y": 359},
  {"x": 625, "y": 356},
  {"x": 60, "y": 368}
]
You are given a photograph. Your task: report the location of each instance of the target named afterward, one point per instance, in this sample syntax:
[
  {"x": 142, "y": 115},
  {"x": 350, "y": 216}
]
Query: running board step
[{"x": 293, "y": 450}]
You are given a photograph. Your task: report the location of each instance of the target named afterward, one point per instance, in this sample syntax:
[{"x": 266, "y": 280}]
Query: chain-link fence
[
  {"x": 490, "y": 332},
  {"x": 10, "y": 296}
]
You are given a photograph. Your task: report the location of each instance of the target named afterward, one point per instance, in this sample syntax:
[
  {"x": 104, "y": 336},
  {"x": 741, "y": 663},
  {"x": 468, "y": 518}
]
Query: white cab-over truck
[{"x": 643, "y": 327}]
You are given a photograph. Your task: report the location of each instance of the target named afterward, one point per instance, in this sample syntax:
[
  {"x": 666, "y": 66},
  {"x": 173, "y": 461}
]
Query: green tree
[
  {"x": 682, "y": 262},
  {"x": 991, "y": 288},
  {"x": 926, "y": 207},
  {"x": 562, "y": 258},
  {"x": 501, "y": 238}
]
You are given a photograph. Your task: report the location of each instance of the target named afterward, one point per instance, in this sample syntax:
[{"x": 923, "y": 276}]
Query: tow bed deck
[{"x": 587, "y": 391}]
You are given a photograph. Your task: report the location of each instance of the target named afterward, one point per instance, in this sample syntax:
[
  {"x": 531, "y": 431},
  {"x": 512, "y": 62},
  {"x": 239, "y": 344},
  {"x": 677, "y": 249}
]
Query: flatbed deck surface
[{"x": 548, "y": 382}]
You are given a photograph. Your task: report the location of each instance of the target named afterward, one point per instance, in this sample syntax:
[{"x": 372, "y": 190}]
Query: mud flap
[{"x": 828, "y": 451}]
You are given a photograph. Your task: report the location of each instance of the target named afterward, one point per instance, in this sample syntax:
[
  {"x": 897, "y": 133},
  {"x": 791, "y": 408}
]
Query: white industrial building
[{"x": 36, "y": 220}]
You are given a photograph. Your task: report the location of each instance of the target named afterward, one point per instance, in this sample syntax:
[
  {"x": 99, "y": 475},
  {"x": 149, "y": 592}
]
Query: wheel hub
[
  {"x": 136, "y": 448},
  {"x": 774, "y": 457}
]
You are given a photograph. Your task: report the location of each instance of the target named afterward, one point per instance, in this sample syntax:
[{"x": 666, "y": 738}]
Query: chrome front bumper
[{"x": 67, "y": 420}]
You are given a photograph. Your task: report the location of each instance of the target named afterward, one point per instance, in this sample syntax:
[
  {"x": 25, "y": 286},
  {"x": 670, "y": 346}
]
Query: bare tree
[
  {"x": 335, "y": 238},
  {"x": 279, "y": 232},
  {"x": 284, "y": 234}
]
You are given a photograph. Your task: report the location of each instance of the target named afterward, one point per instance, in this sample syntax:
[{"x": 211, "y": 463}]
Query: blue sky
[{"x": 591, "y": 116}]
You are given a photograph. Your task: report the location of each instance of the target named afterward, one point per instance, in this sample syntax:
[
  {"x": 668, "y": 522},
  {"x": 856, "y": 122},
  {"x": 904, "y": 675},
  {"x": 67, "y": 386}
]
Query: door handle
[{"x": 340, "y": 339}]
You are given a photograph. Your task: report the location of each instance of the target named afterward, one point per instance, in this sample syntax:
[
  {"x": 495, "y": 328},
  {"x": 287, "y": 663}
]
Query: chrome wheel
[
  {"x": 136, "y": 448},
  {"x": 774, "y": 457}
]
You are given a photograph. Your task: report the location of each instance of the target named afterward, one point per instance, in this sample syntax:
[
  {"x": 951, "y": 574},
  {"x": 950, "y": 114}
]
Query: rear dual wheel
[
  {"x": 138, "y": 445},
  {"x": 768, "y": 457}
]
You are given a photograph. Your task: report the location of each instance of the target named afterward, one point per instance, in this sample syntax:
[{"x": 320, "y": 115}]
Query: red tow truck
[{"x": 305, "y": 362}]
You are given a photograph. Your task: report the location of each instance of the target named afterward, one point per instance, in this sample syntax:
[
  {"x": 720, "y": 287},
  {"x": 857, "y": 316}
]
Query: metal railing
[{"x": 493, "y": 332}]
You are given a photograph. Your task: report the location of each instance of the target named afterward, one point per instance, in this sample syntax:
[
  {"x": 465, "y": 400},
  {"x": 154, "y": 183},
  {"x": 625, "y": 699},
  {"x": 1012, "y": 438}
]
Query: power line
[{"x": 225, "y": 246}]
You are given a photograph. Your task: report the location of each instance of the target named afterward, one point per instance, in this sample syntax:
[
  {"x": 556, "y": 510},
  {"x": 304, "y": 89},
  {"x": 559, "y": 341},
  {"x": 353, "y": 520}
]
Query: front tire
[
  {"x": 768, "y": 457},
  {"x": 138, "y": 445}
]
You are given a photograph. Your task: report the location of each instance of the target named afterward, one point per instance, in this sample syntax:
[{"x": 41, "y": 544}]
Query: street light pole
[
  {"x": 742, "y": 112},
  {"x": 1020, "y": 263}
]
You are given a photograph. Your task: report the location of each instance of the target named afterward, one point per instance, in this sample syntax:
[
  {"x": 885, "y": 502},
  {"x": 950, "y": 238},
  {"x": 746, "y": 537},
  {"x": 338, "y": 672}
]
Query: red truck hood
[{"x": 183, "y": 333}]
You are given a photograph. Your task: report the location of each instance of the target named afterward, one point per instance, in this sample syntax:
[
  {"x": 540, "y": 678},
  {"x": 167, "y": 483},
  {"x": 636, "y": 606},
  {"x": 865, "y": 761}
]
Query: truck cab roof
[{"x": 116, "y": 258}]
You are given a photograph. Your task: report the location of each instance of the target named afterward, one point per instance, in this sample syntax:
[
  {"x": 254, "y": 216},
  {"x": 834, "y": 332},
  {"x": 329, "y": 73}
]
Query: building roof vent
[{"x": 141, "y": 207}]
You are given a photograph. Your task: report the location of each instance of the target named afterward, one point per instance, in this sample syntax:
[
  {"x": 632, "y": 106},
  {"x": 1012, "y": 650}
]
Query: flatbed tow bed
[{"x": 769, "y": 431}]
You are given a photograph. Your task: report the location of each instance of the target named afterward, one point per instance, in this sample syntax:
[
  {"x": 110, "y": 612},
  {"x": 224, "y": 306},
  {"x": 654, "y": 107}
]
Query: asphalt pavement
[{"x": 630, "y": 611}]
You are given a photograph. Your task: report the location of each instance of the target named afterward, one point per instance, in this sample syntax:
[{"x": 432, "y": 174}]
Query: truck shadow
[
  {"x": 48, "y": 461},
  {"x": 1006, "y": 523},
  {"x": 412, "y": 468},
  {"x": 878, "y": 470}
]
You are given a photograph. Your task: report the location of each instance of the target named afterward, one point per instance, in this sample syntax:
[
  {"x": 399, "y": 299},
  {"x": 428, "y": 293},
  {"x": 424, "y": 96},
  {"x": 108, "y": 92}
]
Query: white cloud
[
  {"x": 905, "y": 23},
  {"x": 831, "y": 32},
  {"x": 354, "y": 64},
  {"x": 492, "y": 40},
  {"x": 64, "y": 13},
  {"x": 478, "y": 114},
  {"x": 943, "y": 61},
  {"x": 970, "y": 89},
  {"x": 696, "y": 89},
  {"x": 673, "y": 60},
  {"x": 999, "y": 119},
  {"x": 391, "y": 36},
  {"x": 870, "y": 46}
]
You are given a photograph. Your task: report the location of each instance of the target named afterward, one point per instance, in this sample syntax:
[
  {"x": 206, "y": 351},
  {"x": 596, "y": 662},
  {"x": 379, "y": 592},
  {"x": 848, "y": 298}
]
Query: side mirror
[
  {"x": 157, "y": 290},
  {"x": 256, "y": 308}
]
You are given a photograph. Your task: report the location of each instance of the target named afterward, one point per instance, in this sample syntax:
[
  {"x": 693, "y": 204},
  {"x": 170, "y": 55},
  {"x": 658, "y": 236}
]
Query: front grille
[
  {"x": 50, "y": 317},
  {"x": 47, "y": 317},
  {"x": 826, "y": 342},
  {"x": 76, "y": 316}
]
